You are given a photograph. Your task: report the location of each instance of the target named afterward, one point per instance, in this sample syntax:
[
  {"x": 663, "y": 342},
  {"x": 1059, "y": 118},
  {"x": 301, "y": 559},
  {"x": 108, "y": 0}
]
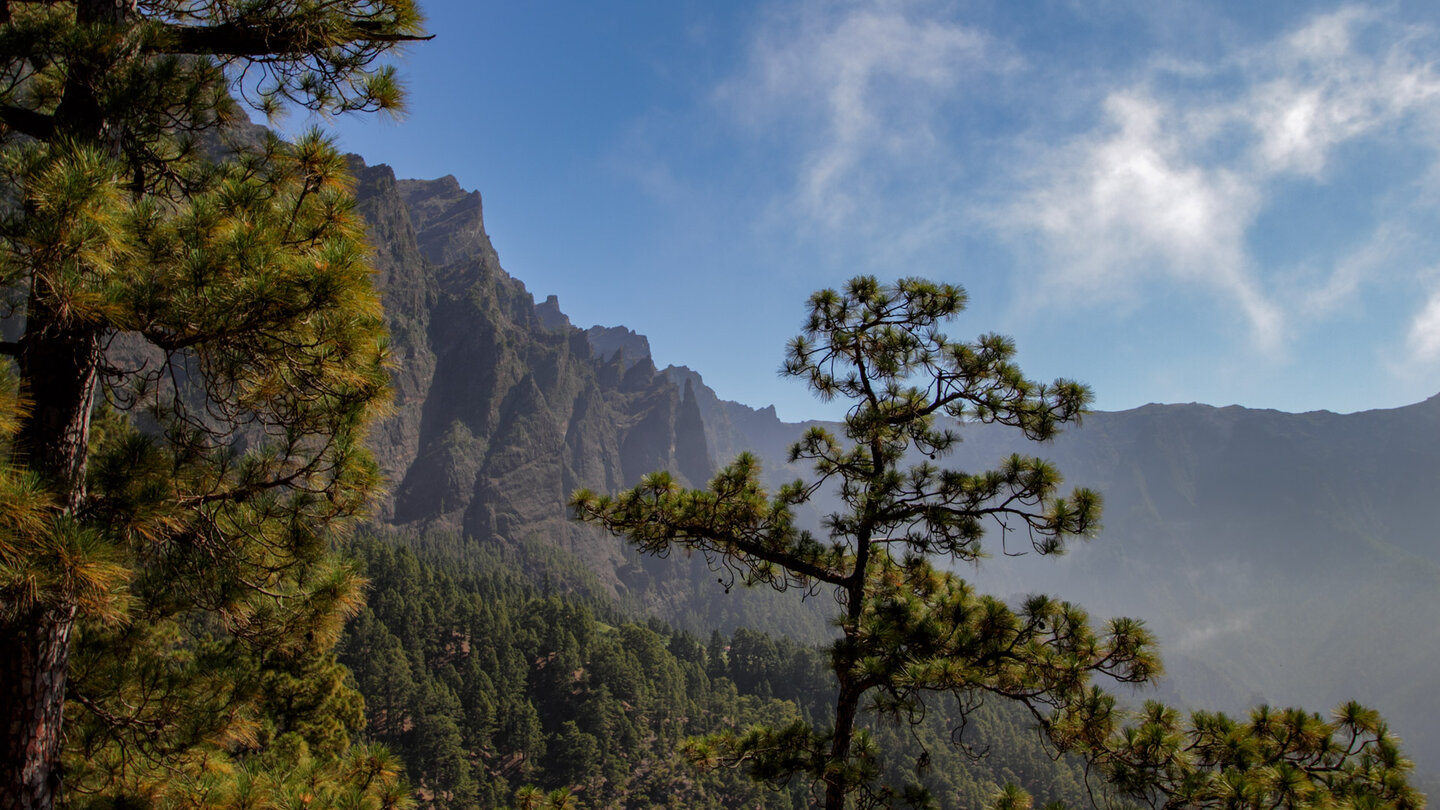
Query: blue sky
[{"x": 1231, "y": 203}]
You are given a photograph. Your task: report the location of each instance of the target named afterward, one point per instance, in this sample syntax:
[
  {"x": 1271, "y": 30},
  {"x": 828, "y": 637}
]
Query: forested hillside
[{"x": 492, "y": 680}]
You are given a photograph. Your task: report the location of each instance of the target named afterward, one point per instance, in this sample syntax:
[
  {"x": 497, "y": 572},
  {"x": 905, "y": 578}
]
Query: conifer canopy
[
  {"x": 909, "y": 630},
  {"x": 197, "y": 352}
]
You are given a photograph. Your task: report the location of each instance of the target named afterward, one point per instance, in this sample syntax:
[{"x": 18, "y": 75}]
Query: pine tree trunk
[
  {"x": 847, "y": 702},
  {"x": 59, "y": 366},
  {"x": 59, "y": 363},
  {"x": 34, "y": 654},
  {"x": 847, "y": 706}
]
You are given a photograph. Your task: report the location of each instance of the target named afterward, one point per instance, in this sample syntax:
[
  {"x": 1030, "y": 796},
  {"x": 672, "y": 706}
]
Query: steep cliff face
[
  {"x": 408, "y": 292},
  {"x": 499, "y": 415},
  {"x": 502, "y": 409},
  {"x": 607, "y": 341}
]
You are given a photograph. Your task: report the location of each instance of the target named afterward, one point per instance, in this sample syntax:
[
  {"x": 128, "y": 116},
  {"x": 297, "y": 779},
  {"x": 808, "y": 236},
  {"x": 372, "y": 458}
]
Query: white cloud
[
  {"x": 1171, "y": 187},
  {"x": 857, "y": 92},
  {"x": 1129, "y": 202},
  {"x": 897, "y": 129},
  {"x": 1411, "y": 352},
  {"x": 1323, "y": 90},
  {"x": 1423, "y": 339}
]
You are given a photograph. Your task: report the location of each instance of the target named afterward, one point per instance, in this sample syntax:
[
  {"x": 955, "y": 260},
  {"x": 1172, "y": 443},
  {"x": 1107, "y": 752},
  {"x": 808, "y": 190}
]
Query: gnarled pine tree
[
  {"x": 907, "y": 630},
  {"x": 228, "y": 308}
]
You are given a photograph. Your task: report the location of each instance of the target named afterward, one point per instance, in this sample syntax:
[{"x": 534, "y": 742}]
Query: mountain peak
[
  {"x": 549, "y": 314},
  {"x": 607, "y": 341}
]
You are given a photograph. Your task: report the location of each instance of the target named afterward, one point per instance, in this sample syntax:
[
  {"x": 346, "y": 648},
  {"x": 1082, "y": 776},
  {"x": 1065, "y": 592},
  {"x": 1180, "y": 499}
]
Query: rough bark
[
  {"x": 847, "y": 702},
  {"x": 34, "y": 654},
  {"x": 847, "y": 706},
  {"x": 59, "y": 368}
]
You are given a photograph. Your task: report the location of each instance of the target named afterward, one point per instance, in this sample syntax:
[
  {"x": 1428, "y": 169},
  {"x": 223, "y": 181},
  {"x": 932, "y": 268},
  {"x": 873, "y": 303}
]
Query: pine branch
[
  {"x": 235, "y": 39},
  {"x": 27, "y": 122}
]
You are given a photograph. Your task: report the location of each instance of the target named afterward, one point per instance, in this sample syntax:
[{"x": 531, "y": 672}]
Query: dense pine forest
[{"x": 491, "y": 685}]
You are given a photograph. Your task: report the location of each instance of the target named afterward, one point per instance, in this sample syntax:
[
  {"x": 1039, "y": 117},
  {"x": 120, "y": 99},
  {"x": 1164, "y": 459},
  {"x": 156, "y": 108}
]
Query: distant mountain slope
[
  {"x": 1281, "y": 558},
  {"x": 1289, "y": 557}
]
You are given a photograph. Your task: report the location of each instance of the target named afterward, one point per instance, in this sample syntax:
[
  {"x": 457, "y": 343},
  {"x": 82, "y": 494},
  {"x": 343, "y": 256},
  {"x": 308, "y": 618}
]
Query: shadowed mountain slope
[{"x": 503, "y": 409}]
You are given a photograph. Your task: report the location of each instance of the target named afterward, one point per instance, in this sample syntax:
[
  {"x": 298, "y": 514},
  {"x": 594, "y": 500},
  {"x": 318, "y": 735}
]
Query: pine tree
[
  {"x": 910, "y": 631},
  {"x": 907, "y": 629},
  {"x": 199, "y": 351},
  {"x": 1287, "y": 758}
]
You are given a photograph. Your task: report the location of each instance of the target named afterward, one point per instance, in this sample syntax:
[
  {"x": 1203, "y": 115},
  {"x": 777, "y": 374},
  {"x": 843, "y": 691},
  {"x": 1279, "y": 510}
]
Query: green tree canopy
[
  {"x": 197, "y": 350},
  {"x": 907, "y": 628},
  {"x": 1285, "y": 758}
]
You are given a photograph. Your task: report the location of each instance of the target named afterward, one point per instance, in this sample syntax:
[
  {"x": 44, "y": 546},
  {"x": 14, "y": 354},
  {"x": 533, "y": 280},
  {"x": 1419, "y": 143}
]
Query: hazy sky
[{"x": 1173, "y": 202}]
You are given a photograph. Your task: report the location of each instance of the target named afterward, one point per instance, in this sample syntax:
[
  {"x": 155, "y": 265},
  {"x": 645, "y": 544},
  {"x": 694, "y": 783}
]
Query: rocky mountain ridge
[
  {"x": 498, "y": 418},
  {"x": 502, "y": 408}
]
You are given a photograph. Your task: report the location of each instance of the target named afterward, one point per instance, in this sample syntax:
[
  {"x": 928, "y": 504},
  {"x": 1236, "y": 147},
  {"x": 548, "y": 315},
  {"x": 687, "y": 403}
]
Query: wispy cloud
[
  {"x": 1172, "y": 185},
  {"x": 1327, "y": 291},
  {"x": 858, "y": 95},
  {"x": 1197, "y": 637},
  {"x": 909, "y": 122},
  {"x": 1423, "y": 338},
  {"x": 1131, "y": 202}
]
